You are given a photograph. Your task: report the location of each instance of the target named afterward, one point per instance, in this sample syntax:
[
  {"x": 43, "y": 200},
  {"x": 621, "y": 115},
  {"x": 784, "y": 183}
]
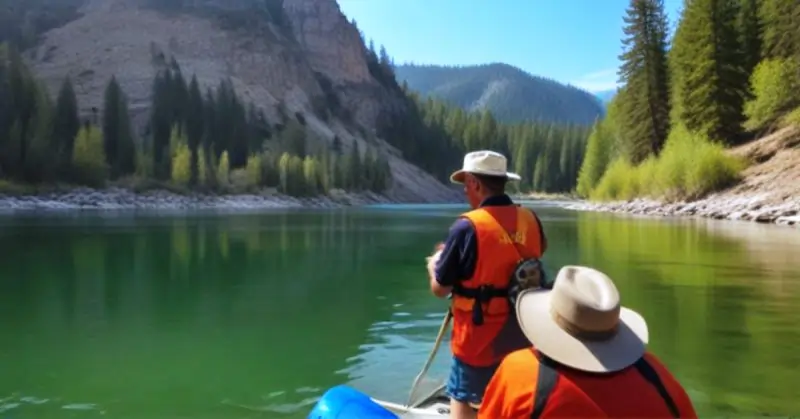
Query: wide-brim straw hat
[
  {"x": 580, "y": 323},
  {"x": 484, "y": 162}
]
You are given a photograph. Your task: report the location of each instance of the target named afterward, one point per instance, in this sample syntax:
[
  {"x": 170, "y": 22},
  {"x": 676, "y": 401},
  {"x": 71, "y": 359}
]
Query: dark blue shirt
[{"x": 460, "y": 252}]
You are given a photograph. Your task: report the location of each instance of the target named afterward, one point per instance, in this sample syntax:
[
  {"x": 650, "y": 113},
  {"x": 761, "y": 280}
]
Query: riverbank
[
  {"x": 768, "y": 192},
  {"x": 116, "y": 198},
  {"x": 542, "y": 196},
  {"x": 758, "y": 209}
]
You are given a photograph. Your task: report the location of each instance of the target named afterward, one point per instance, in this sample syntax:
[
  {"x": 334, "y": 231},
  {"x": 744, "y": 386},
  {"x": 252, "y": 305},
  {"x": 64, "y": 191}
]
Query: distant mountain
[
  {"x": 606, "y": 95},
  {"x": 510, "y": 93}
]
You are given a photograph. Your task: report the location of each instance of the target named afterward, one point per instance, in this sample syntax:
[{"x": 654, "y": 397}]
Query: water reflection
[
  {"x": 704, "y": 288},
  {"x": 255, "y": 315},
  {"x": 197, "y": 314}
]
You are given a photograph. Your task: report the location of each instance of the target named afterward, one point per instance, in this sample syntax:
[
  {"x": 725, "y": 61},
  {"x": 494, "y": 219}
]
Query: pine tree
[
  {"x": 750, "y": 33},
  {"x": 595, "y": 161},
  {"x": 781, "y": 29},
  {"x": 117, "y": 136},
  {"x": 195, "y": 117},
  {"x": 160, "y": 126},
  {"x": 709, "y": 70},
  {"x": 644, "y": 72},
  {"x": 65, "y": 125}
]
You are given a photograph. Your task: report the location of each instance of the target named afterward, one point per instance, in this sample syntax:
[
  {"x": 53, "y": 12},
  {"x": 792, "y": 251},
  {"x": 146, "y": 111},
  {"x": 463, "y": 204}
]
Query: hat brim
[
  {"x": 458, "y": 175},
  {"x": 617, "y": 353}
]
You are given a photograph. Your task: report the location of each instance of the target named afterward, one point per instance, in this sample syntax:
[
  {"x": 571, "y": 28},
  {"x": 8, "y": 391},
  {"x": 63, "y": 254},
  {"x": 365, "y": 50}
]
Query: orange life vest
[
  {"x": 529, "y": 385},
  {"x": 483, "y": 330}
]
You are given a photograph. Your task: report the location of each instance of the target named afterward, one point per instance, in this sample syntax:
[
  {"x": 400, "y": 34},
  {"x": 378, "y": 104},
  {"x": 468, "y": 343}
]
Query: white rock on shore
[
  {"x": 754, "y": 208},
  {"x": 120, "y": 199}
]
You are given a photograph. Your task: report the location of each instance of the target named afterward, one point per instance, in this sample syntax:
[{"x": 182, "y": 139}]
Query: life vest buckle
[{"x": 529, "y": 274}]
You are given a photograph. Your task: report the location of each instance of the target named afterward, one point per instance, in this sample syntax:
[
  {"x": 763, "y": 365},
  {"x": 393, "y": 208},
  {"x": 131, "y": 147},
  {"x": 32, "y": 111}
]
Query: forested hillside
[
  {"x": 209, "y": 140},
  {"x": 730, "y": 74},
  {"x": 547, "y": 156},
  {"x": 511, "y": 94}
]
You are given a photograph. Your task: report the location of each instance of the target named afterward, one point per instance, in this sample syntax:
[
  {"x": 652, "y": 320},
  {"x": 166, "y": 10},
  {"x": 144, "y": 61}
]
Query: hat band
[{"x": 581, "y": 333}]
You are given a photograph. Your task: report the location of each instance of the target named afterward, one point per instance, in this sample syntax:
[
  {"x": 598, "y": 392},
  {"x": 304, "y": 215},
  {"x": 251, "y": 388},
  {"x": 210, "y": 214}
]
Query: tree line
[
  {"x": 730, "y": 73},
  {"x": 211, "y": 141},
  {"x": 523, "y": 97},
  {"x": 434, "y": 135}
]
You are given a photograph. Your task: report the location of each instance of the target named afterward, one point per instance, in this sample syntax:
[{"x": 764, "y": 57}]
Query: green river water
[{"x": 255, "y": 315}]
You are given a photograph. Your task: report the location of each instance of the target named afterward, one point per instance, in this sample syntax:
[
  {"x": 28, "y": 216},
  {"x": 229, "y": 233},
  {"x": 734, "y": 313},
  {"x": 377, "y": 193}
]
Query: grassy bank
[{"x": 688, "y": 167}]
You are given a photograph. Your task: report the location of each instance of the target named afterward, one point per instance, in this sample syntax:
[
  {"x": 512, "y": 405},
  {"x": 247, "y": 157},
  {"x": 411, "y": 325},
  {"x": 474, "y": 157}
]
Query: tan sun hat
[
  {"x": 580, "y": 323},
  {"x": 484, "y": 162}
]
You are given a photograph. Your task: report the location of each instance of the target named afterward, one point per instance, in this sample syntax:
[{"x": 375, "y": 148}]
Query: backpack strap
[
  {"x": 548, "y": 378},
  {"x": 649, "y": 373},
  {"x": 546, "y": 381}
]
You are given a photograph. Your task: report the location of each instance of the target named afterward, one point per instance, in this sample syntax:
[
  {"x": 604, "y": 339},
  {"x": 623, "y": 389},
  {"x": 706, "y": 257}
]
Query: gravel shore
[
  {"x": 122, "y": 199},
  {"x": 759, "y": 209}
]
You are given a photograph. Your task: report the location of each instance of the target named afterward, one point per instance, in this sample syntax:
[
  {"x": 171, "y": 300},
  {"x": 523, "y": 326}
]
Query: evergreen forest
[
  {"x": 210, "y": 140},
  {"x": 730, "y": 74}
]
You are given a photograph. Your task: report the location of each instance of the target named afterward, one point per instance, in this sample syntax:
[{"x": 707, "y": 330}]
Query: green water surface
[{"x": 255, "y": 315}]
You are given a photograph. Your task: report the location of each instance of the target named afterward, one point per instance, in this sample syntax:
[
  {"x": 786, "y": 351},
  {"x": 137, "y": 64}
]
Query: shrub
[
  {"x": 223, "y": 169},
  {"x": 793, "y": 117},
  {"x": 181, "y": 164},
  {"x": 254, "y": 171},
  {"x": 689, "y": 167},
  {"x": 774, "y": 83},
  {"x": 89, "y": 158},
  {"x": 618, "y": 182}
]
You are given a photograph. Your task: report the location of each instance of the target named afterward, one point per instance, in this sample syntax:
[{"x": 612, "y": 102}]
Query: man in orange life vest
[
  {"x": 589, "y": 359},
  {"x": 484, "y": 248}
]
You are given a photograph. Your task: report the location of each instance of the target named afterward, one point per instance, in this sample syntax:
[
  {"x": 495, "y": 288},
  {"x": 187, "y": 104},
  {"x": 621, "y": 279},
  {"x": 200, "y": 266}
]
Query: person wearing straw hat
[
  {"x": 589, "y": 360},
  {"x": 491, "y": 252}
]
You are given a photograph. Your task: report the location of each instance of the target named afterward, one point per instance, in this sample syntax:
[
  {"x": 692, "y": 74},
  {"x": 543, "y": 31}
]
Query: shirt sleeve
[{"x": 457, "y": 262}]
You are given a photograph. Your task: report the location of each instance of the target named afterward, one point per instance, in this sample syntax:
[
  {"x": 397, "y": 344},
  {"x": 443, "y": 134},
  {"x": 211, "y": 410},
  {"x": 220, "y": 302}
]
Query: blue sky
[{"x": 572, "y": 41}]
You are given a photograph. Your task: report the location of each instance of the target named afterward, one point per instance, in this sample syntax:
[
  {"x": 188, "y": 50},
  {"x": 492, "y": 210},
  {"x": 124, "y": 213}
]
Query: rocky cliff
[{"x": 302, "y": 55}]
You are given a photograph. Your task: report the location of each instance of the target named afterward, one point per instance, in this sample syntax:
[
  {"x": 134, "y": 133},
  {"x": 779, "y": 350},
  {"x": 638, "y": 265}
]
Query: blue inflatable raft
[{"x": 343, "y": 402}]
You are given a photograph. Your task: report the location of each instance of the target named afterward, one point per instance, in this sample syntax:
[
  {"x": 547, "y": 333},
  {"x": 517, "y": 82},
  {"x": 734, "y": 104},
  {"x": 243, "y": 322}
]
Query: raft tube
[{"x": 343, "y": 402}]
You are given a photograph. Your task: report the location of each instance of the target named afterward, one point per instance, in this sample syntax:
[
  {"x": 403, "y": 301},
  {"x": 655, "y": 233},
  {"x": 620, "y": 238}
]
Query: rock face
[
  {"x": 334, "y": 47},
  {"x": 267, "y": 65}
]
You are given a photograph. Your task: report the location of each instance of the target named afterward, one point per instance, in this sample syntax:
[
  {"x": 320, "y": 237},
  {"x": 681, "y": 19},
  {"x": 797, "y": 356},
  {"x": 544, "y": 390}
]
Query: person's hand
[
  {"x": 437, "y": 251},
  {"x": 434, "y": 258}
]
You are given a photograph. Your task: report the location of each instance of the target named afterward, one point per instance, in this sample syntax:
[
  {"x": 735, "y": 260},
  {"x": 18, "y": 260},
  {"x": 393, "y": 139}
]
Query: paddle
[{"x": 442, "y": 329}]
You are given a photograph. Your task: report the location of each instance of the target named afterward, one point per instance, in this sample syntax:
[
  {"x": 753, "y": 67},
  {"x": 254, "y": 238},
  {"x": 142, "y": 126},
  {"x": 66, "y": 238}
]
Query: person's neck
[
  {"x": 486, "y": 197},
  {"x": 492, "y": 195}
]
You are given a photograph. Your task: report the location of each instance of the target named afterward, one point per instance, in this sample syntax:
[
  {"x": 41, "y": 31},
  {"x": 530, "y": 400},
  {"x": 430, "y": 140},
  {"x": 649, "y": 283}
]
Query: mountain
[
  {"x": 605, "y": 96},
  {"x": 511, "y": 94},
  {"x": 284, "y": 60}
]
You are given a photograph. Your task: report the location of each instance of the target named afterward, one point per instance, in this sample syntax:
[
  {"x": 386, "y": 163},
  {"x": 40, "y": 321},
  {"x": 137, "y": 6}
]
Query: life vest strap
[
  {"x": 649, "y": 373},
  {"x": 546, "y": 382},
  {"x": 547, "y": 379},
  {"x": 481, "y": 295}
]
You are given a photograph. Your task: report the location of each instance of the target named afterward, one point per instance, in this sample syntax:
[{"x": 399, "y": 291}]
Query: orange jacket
[
  {"x": 525, "y": 387},
  {"x": 484, "y": 333}
]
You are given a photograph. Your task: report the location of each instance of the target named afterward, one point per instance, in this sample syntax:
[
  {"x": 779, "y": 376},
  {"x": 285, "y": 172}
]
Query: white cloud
[{"x": 598, "y": 81}]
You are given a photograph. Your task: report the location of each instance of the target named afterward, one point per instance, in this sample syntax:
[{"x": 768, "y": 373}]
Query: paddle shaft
[{"x": 442, "y": 329}]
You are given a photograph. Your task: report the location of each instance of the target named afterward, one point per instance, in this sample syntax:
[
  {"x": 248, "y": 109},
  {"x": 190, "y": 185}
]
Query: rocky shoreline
[
  {"x": 758, "y": 209},
  {"x": 125, "y": 199}
]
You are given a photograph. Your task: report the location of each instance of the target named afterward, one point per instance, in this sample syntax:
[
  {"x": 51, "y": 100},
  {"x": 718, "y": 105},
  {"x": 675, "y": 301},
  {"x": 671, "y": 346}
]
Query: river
[{"x": 254, "y": 315}]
